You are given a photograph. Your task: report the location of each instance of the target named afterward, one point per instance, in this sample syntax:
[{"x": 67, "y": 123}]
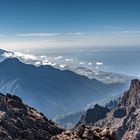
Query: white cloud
[
  {"x": 99, "y": 63},
  {"x": 46, "y": 62},
  {"x": 37, "y": 34},
  {"x": 20, "y": 55},
  {"x": 67, "y": 60},
  {"x": 38, "y": 63},
  {"x": 59, "y": 57},
  {"x": 89, "y": 64},
  {"x": 126, "y": 32},
  {"x": 76, "y": 39},
  {"x": 81, "y": 63},
  {"x": 29, "y": 58},
  {"x": 76, "y": 33},
  {"x": 62, "y": 65}
]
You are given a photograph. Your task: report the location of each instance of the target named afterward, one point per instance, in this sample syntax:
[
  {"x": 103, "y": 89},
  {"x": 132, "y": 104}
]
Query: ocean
[{"x": 123, "y": 60}]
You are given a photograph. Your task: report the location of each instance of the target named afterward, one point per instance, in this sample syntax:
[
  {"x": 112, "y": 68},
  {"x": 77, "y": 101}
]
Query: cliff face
[
  {"x": 19, "y": 121},
  {"x": 131, "y": 97},
  {"x": 125, "y": 120}
]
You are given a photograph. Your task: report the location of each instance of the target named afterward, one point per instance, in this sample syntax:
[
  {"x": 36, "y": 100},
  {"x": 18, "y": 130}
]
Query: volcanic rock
[{"x": 21, "y": 122}]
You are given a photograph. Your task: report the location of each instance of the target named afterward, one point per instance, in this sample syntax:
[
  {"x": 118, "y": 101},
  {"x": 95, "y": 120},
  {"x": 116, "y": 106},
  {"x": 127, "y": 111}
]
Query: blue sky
[{"x": 60, "y": 23}]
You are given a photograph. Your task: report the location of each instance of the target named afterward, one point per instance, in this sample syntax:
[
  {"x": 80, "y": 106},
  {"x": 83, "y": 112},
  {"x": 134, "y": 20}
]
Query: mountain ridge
[{"x": 54, "y": 88}]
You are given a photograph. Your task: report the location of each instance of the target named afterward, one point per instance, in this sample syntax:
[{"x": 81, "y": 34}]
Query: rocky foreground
[
  {"x": 21, "y": 122},
  {"x": 83, "y": 132}
]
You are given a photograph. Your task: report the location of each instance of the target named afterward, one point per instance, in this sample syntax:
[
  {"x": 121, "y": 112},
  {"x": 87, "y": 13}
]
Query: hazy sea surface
[{"x": 123, "y": 60}]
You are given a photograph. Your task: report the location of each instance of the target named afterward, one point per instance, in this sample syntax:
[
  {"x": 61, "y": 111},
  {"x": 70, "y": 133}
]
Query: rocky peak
[
  {"x": 131, "y": 97},
  {"x": 19, "y": 121},
  {"x": 94, "y": 114}
]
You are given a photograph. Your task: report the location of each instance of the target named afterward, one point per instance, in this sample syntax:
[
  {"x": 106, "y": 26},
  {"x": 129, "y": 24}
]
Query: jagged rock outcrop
[
  {"x": 94, "y": 114},
  {"x": 83, "y": 132},
  {"x": 125, "y": 120},
  {"x": 132, "y": 96},
  {"x": 21, "y": 122},
  {"x": 113, "y": 104}
]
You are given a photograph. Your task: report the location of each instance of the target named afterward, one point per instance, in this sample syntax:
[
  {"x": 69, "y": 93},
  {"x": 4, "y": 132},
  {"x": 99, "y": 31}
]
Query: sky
[{"x": 69, "y": 23}]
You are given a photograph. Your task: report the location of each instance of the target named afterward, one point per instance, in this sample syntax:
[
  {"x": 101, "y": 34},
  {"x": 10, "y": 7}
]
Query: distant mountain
[
  {"x": 2, "y": 51},
  {"x": 105, "y": 77},
  {"x": 19, "y": 121},
  {"x": 52, "y": 91}
]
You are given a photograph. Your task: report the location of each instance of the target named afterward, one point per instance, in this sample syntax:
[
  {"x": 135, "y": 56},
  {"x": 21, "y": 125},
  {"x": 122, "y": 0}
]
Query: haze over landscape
[{"x": 71, "y": 60}]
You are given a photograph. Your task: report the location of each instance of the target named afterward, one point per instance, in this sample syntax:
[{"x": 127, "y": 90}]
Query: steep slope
[
  {"x": 19, "y": 121},
  {"x": 46, "y": 87},
  {"x": 125, "y": 120}
]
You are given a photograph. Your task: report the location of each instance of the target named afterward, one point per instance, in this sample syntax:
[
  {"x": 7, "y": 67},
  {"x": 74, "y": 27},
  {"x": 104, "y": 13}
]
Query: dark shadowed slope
[{"x": 50, "y": 90}]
